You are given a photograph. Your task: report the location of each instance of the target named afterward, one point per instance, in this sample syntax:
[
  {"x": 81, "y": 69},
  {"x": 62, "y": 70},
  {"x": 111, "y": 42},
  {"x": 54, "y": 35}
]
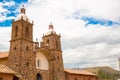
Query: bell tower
[
  {"x": 21, "y": 55},
  {"x": 51, "y": 41},
  {"x": 22, "y": 27}
]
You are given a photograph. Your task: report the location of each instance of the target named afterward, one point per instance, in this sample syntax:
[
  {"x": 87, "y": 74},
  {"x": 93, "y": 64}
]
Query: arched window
[
  {"x": 39, "y": 77},
  {"x": 38, "y": 63},
  {"x": 47, "y": 42},
  {"x": 27, "y": 31},
  {"x": 14, "y": 48},
  {"x": 16, "y": 31},
  {"x": 57, "y": 46}
]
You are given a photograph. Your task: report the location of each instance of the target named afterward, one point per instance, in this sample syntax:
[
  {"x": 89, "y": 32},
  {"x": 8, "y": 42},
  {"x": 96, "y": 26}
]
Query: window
[
  {"x": 58, "y": 57},
  {"x": 38, "y": 63},
  {"x": 14, "y": 48},
  {"x": 47, "y": 41},
  {"x": 27, "y": 48},
  {"x": 27, "y": 64}
]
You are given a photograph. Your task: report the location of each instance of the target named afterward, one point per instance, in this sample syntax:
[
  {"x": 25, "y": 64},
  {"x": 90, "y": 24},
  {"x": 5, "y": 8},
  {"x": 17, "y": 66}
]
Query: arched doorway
[
  {"x": 39, "y": 77},
  {"x": 15, "y": 78}
]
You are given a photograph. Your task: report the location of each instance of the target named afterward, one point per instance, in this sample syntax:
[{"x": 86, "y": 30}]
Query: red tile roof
[
  {"x": 82, "y": 72},
  {"x": 4, "y": 54},
  {"x": 5, "y": 69}
]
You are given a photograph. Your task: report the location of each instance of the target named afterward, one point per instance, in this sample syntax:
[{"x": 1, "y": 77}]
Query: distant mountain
[{"x": 105, "y": 73}]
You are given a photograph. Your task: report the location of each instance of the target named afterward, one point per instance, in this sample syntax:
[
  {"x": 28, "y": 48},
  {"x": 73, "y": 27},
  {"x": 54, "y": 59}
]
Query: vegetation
[
  {"x": 105, "y": 73},
  {"x": 105, "y": 76}
]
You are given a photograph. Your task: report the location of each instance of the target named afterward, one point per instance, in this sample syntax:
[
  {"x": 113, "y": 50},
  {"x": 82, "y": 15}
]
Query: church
[{"x": 29, "y": 60}]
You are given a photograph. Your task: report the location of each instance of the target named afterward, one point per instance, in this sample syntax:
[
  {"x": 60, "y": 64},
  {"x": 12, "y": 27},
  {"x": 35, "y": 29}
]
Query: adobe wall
[
  {"x": 6, "y": 76},
  {"x": 69, "y": 76},
  {"x": 3, "y": 61}
]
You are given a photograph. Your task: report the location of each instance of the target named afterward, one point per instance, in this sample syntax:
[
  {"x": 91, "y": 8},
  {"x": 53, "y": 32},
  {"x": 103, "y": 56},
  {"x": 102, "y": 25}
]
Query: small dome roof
[
  {"x": 22, "y": 16},
  {"x": 51, "y": 30}
]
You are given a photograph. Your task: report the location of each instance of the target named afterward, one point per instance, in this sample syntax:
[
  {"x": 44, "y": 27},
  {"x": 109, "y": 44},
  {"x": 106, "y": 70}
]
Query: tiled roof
[
  {"x": 5, "y": 69},
  {"x": 4, "y": 54},
  {"x": 82, "y": 72}
]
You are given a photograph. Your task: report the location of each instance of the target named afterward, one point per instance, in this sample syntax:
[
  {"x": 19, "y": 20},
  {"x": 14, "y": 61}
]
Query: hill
[{"x": 105, "y": 73}]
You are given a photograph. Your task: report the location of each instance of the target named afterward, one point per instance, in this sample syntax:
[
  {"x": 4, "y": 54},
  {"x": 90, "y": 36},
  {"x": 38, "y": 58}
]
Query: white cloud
[
  {"x": 5, "y": 38},
  {"x": 91, "y": 55},
  {"x": 107, "y": 9},
  {"x": 2, "y": 13},
  {"x": 5, "y": 11},
  {"x": 11, "y": 3},
  {"x": 94, "y": 45}
]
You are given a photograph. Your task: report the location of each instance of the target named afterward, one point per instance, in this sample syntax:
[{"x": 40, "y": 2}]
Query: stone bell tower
[
  {"x": 21, "y": 56},
  {"x": 51, "y": 41}
]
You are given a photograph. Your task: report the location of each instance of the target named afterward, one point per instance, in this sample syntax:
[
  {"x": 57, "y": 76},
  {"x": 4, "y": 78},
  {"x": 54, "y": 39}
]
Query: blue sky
[
  {"x": 95, "y": 21},
  {"x": 90, "y": 28},
  {"x": 16, "y": 1},
  {"x": 11, "y": 7},
  {"x": 11, "y": 11}
]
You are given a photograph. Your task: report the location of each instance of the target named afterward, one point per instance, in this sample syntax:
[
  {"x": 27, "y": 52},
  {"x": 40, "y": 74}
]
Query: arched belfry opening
[
  {"x": 16, "y": 31},
  {"x": 27, "y": 31},
  {"x": 39, "y": 77}
]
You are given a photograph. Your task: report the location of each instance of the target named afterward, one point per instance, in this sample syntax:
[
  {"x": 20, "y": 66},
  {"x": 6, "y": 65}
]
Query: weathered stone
[{"x": 23, "y": 54}]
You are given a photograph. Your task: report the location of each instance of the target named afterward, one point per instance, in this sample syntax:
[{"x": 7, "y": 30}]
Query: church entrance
[
  {"x": 15, "y": 78},
  {"x": 39, "y": 77}
]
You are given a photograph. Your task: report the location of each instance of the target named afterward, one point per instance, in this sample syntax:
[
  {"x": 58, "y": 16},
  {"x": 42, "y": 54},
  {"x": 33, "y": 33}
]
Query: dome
[
  {"x": 51, "y": 30},
  {"x": 22, "y": 16}
]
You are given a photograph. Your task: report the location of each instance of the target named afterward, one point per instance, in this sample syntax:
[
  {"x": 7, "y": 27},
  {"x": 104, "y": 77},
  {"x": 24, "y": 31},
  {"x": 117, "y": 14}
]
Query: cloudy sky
[{"x": 90, "y": 29}]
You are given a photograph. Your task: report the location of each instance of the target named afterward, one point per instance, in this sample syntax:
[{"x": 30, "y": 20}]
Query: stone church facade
[{"x": 29, "y": 60}]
